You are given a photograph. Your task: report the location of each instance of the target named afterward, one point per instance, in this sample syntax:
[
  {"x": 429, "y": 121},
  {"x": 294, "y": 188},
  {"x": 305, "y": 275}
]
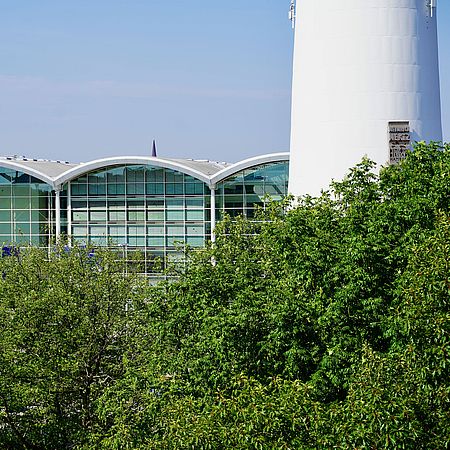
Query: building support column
[
  {"x": 58, "y": 212},
  {"x": 69, "y": 215},
  {"x": 213, "y": 212}
]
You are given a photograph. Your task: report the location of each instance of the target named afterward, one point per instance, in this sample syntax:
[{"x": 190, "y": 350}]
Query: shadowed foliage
[{"x": 319, "y": 325}]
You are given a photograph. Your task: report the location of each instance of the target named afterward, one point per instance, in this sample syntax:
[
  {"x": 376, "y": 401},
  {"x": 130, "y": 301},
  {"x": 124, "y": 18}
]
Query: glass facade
[
  {"x": 26, "y": 206},
  {"x": 146, "y": 209},
  {"x": 244, "y": 191},
  {"x": 141, "y": 208}
]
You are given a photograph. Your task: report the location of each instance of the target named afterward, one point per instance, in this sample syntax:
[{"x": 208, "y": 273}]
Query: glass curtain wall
[
  {"x": 133, "y": 208},
  {"x": 26, "y": 205},
  {"x": 248, "y": 189},
  {"x": 140, "y": 208}
]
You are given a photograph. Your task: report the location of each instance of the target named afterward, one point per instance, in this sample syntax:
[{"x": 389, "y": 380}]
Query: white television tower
[{"x": 366, "y": 82}]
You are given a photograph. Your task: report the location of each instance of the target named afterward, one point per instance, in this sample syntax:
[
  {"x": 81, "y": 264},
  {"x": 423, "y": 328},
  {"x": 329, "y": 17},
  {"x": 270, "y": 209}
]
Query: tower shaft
[{"x": 366, "y": 82}]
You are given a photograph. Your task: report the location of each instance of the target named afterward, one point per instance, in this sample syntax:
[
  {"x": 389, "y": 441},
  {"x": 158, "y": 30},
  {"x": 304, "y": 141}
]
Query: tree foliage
[
  {"x": 66, "y": 317},
  {"x": 320, "y": 325}
]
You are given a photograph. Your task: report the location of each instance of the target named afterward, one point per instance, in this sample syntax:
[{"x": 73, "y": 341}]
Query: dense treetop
[{"x": 324, "y": 325}]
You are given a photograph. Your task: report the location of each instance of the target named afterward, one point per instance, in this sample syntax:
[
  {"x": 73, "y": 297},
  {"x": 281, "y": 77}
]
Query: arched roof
[
  {"x": 246, "y": 164},
  {"x": 56, "y": 173},
  {"x": 25, "y": 168},
  {"x": 189, "y": 167}
]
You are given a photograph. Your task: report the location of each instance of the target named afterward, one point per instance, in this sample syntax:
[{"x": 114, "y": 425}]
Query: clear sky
[{"x": 86, "y": 79}]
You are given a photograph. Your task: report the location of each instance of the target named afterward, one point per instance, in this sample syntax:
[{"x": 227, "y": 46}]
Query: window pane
[
  {"x": 22, "y": 216},
  {"x": 116, "y": 175},
  {"x": 98, "y": 215},
  {"x": 155, "y": 203},
  {"x": 194, "y": 203},
  {"x": 155, "y": 174},
  {"x": 174, "y": 188},
  {"x": 79, "y": 204},
  {"x": 136, "y": 241},
  {"x": 155, "y": 230},
  {"x": 136, "y": 204},
  {"x": 97, "y": 204},
  {"x": 136, "y": 230},
  {"x": 5, "y": 215},
  {"x": 155, "y": 188},
  {"x": 194, "y": 189},
  {"x": 194, "y": 214},
  {"x": 174, "y": 215},
  {"x": 174, "y": 240},
  {"x": 23, "y": 228},
  {"x": 155, "y": 241},
  {"x": 116, "y": 189},
  {"x": 195, "y": 241},
  {"x": 116, "y": 230},
  {"x": 21, "y": 202},
  {"x": 79, "y": 189},
  {"x": 5, "y": 198},
  {"x": 79, "y": 215},
  {"x": 175, "y": 230},
  {"x": 135, "y": 174},
  {"x": 5, "y": 228},
  {"x": 97, "y": 178},
  {"x": 155, "y": 215},
  {"x": 79, "y": 230},
  {"x": 194, "y": 229},
  {"x": 117, "y": 215},
  {"x": 97, "y": 230},
  {"x": 136, "y": 215},
  {"x": 174, "y": 203},
  {"x": 135, "y": 188},
  {"x": 174, "y": 177},
  {"x": 97, "y": 240}
]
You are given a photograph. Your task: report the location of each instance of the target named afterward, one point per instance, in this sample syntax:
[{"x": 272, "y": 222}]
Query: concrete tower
[{"x": 366, "y": 82}]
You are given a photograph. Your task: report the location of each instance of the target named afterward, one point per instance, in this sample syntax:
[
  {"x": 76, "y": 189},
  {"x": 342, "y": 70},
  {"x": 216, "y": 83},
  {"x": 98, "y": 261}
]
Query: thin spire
[
  {"x": 154, "y": 149},
  {"x": 292, "y": 13}
]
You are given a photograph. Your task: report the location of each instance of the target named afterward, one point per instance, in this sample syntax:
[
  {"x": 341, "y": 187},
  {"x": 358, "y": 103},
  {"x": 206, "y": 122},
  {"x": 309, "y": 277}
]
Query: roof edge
[
  {"x": 10, "y": 164},
  {"x": 128, "y": 160},
  {"x": 83, "y": 168},
  {"x": 246, "y": 164}
]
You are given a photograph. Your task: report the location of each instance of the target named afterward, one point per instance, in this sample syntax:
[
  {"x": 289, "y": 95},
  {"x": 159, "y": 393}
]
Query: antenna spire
[
  {"x": 154, "y": 149},
  {"x": 292, "y": 13},
  {"x": 432, "y": 6}
]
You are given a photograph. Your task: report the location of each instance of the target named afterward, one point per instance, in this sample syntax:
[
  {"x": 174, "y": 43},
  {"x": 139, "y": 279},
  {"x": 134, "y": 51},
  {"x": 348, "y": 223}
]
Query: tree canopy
[{"x": 323, "y": 324}]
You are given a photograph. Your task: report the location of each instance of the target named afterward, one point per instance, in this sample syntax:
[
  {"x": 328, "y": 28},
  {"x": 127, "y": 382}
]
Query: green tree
[
  {"x": 313, "y": 297},
  {"x": 66, "y": 317},
  {"x": 324, "y": 325}
]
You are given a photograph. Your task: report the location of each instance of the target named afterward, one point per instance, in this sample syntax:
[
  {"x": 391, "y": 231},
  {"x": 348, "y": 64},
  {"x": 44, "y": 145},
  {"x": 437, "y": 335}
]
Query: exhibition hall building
[{"x": 149, "y": 205}]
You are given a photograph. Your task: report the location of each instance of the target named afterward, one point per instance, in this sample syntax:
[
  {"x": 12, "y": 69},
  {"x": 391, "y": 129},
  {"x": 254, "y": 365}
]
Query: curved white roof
[
  {"x": 246, "y": 164},
  {"x": 186, "y": 166},
  {"x": 56, "y": 173},
  {"x": 44, "y": 170}
]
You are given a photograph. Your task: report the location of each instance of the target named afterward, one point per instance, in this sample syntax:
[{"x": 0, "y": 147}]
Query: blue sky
[{"x": 93, "y": 78}]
